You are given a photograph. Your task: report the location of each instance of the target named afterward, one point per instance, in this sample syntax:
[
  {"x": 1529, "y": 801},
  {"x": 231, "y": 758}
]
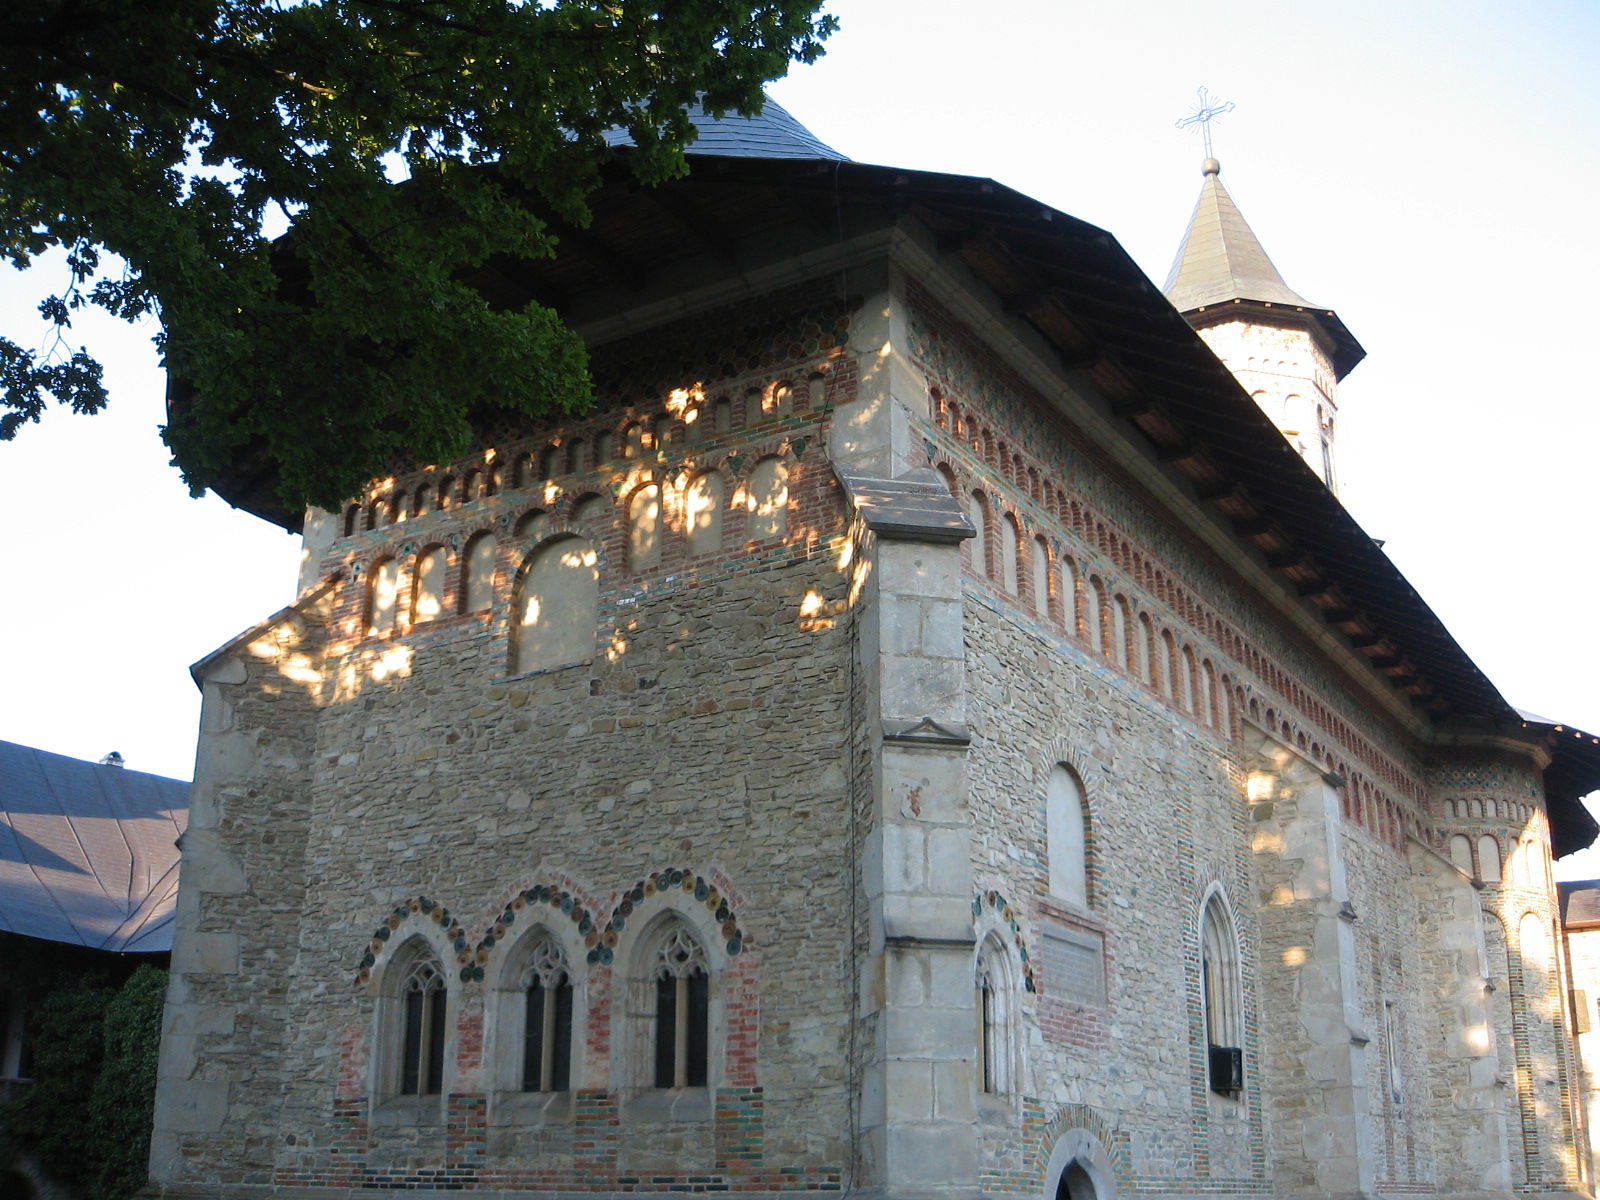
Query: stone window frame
[
  {"x": 508, "y": 1000},
  {"x": 1054, "y": 847},
  {"x": 1221, "y": 959},
  {"x": 391, "y": 1105},
  {"x": 633, "y": 1059},
  {"x": 421, "y": 587},
  {"x": 1000, "y": 1074},
  {"x": 517, "y": 653},
  {"x": 381, "y": 607},
  {"x": 682, "y": 1025}
]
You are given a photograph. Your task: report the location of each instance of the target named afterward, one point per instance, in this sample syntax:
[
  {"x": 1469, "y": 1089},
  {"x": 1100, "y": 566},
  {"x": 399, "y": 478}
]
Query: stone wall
[
  {"x": 697, "y": 760},
  {"x": 824, "y": 744},
  {"x": 1153, "y": 707}
]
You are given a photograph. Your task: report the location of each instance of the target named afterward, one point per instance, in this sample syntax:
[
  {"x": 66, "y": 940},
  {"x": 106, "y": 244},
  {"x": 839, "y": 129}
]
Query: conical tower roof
[{"x": 1221, "y": 263}]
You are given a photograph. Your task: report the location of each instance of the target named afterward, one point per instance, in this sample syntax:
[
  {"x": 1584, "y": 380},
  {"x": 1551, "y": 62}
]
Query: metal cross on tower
[{"x": 1207, "y": 111}]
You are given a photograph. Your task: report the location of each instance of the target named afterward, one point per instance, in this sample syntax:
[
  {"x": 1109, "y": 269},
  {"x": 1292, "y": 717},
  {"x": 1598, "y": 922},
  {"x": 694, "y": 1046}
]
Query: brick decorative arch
[
  {"x": 995, "y": 901},
  {"x": 718, "y": 902},
  {"x": 408, "y": 911}
]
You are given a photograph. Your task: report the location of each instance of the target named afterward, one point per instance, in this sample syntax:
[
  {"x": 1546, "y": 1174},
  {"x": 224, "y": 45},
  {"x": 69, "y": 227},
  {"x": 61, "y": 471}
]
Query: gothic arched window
[
  {"x": 1222, "y": 996},
  {"x": 994, "y": 1002},
  {"x": 546, "y": 986},
  {"x": 681, "y": 1028},
  {"x": 415, "y": 1033}
]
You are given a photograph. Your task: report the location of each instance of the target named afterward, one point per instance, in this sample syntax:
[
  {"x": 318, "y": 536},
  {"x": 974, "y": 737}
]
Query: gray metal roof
[
  {"x": 772, "y": 134},
  {"x": 1222, "y": 267},
  {"x": 1221, "y": 258},
  {"x": 88, "y": 853}
]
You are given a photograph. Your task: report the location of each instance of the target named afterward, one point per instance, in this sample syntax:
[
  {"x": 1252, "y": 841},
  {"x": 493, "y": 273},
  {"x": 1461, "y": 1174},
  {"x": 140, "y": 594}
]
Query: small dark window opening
[
  {"x": 547, "y": 1042},
  {"x": 682, "y": 1027},
  {"x": 1226, "y": 1069},
  {"x": 422, "y": 1056},
  {"x": 986, "y": 1038}
]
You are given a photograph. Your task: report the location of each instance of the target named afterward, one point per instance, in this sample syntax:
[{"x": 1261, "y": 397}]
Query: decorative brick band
[
  {"x": 403, "y": 912},
  {"x": 1001, "y": 906},
  {"x": 558, "y": 898},
  {"x": 600, "y": 939},
  {"x": 717, "y": 902}
]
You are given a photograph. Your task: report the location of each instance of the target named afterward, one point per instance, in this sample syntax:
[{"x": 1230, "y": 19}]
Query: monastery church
[{"x": 930, "y": 731}]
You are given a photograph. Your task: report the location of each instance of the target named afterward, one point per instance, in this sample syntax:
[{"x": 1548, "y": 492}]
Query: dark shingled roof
[
  {"x": 764, "y": 187},
  {"x": 772, "y": 134},
  {"x": 88, "y": 853},
  {"x": 1221, "y": 262}
]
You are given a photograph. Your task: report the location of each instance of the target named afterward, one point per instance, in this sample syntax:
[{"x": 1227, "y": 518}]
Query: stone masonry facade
[{"x": 828, "y": 746}]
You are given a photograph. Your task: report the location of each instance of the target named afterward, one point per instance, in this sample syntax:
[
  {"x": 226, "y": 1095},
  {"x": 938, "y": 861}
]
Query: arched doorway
[
  {"x": 1079, "y": 1168},
  {"x": 1076, "y": 1184}
]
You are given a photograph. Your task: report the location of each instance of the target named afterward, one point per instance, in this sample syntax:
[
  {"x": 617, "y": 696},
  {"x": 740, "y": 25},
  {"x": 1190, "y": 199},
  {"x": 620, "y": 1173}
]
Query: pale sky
[{"x": 1429, "y": 170}]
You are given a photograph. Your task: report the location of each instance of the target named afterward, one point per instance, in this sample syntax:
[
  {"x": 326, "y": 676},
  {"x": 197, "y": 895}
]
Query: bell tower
[{"x": 1288, "y": 353}]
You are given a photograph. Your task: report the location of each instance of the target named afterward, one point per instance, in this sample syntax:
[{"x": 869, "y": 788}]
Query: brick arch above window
[
  {"x": 991, "y": 909},
  {"x": 419, "y": 915},
  {"x": 685, "y": 887}
]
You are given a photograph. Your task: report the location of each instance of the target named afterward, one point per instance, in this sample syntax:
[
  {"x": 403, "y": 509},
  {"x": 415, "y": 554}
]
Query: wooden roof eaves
[{"x": 1203, "y": 441}]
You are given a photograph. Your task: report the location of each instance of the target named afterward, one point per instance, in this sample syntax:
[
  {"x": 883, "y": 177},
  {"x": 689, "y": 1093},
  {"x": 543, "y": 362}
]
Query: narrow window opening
[
  {"x": 547, "y": 1029},
  {"x": 1220, "y": 993},
  {"x": 682, "y": 1012},
  {"x": 423, "y": 1033}
]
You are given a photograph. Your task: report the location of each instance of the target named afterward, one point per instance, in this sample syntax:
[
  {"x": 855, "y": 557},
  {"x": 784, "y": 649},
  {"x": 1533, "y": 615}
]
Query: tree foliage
[
  {"x": 86, "y": 1117},
  {"x": 122, "y": 1101},
  {"x": 157, "y": 143},
  {"x": 50, "y": 1121}
]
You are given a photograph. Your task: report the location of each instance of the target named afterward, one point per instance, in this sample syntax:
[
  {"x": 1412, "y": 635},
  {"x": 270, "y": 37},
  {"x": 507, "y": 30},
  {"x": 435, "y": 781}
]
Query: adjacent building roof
[
  {"x": 88, "y": 852},
  {"x": 1221, "y": 262},
  {"x": 773, "y": 133},
  {"x": 1580, "y": 903}
]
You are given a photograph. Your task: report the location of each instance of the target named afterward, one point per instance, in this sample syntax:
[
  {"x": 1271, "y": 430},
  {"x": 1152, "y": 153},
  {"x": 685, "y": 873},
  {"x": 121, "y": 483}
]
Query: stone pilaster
[
  {"x": 919, "y": 1104},
  {"x": 1310, "y": 1006},
  {"x": 1466, "y": 1110},
  {"x": 238, "y": 909}
]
